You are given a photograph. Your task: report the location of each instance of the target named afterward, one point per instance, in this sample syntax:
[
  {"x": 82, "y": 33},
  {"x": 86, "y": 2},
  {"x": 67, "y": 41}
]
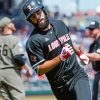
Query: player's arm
[
  {"x": 20, "y": 62},
  {"x": 66, "y": 52},
  {"x": 48, "y": 65},
  {"x": 82, "y": 56},
  {"x": 18, "y": 54}
]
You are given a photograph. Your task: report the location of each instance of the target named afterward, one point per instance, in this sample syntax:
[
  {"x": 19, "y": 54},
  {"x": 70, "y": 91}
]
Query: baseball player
[
  {"x": 11, "y": 62},
  {"x": 50, "y": 51}
]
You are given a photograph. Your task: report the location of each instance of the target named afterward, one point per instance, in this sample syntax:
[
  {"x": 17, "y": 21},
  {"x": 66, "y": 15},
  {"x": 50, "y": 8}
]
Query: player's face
[
  {"x": 39, "y": 19},
  {"x": 94, "y": 33}
]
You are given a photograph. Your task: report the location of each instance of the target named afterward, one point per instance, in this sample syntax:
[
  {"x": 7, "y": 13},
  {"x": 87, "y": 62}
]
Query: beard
[{"x": 43, "y": 25}]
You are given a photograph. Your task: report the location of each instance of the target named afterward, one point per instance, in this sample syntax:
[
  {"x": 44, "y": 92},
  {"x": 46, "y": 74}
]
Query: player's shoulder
[
  {"x": 98, "y": 45},
  {"x": 56, "y": 21},
  {"x": 98, "y": 41},
  {"x": 33, "y": 37},
  {"x": 59, "y": 24},
  {"x": 14, "y": 36},
  {"x": 13, "y": 39}
]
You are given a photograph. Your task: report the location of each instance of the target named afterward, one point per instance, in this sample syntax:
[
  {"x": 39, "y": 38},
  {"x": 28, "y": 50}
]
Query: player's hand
[
  {"x": 29, "y": 73},
  {"x": 66, "y": 52},
  {"x": 77, "y": 48},
  {"x": 26, "y": 71}
]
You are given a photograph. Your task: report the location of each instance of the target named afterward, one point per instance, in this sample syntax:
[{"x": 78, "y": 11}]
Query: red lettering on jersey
[
  {"x": 67, "y": 37},
  {"x": 56, "y": 43},
  {"x": 50, "y": 47}
]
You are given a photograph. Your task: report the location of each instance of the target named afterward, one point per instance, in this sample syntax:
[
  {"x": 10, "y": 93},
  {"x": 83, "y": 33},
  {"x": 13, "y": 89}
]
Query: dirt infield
[
  {"x": 43, "y": 97},
  {"x": 39, "y": 97}
]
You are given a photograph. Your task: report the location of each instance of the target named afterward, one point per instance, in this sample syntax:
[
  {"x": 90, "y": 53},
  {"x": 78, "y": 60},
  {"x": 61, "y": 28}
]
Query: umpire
[
  {"x": 94, "y": 55},
  {"x": 11, "y": 62}
]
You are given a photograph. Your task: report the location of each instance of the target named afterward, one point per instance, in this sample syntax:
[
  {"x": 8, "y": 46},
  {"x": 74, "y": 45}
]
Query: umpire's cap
[
  {"x": 31, "y": 6},
  {"x": 5, "y": 21},
  {"x": 93, "y": 25}
]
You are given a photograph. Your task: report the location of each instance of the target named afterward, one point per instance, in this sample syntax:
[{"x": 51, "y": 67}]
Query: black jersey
[
  {"x": 42, "y": 46},
  {"x": 95, "y": 47}
]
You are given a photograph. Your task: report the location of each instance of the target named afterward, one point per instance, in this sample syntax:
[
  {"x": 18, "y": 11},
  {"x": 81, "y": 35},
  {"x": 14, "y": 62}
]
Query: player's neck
[
  {"x": 48, "y": 28},
  {"x": 7, "y": 33}
]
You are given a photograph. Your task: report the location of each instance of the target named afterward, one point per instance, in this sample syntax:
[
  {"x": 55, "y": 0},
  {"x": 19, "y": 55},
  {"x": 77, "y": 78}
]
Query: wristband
[{"x": 80, "y": 53}]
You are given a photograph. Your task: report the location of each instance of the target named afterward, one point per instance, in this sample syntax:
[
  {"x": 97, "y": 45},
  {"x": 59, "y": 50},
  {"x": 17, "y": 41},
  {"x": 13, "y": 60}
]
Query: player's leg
[
  {"x": 98, "y": 90},
  {"x": 4, "y": 92},
  {"x": 63, "y": 93},
  {"x": 82, "y": 89},
  {"x": 3, "y": 87},
  {"x": 15, "y": 84},
  {"x": 96, "y": 87}
]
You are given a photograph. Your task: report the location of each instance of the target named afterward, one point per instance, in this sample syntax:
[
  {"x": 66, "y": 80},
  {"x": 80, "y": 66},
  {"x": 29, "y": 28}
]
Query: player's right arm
[
  {"x": 40, "y": 64},
  {"x": 66, "y": 52},
  {"x": 18, "y": 54},
  {"x": 48, "y": 65}
]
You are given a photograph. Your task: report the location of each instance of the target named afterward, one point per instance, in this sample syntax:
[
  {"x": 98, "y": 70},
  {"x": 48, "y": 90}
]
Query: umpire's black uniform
[{"x": 95, "y": 47}]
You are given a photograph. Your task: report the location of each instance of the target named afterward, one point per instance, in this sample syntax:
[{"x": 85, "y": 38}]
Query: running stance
[{"x": 50, "y": 51}]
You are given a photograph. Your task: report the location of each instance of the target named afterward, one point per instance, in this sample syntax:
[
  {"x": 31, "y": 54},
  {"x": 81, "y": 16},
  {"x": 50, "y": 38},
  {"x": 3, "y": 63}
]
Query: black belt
[{"x": 65, "y": 77}]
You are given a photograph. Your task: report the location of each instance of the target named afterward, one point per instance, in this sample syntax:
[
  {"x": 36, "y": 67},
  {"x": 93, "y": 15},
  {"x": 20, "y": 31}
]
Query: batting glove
[{"x": 66, "y": 52}]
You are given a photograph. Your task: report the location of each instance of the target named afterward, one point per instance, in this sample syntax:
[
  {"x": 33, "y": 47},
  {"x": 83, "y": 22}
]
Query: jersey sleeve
[
  {"x": 98, "y": 47},
  {"x": 34, "y": 50},
  {"x": 95, "y": 47},
  {"x": 17, "y": 47}
]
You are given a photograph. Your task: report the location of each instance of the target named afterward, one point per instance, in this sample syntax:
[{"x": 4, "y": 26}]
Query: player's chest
[{"x": 53, "y": 40}]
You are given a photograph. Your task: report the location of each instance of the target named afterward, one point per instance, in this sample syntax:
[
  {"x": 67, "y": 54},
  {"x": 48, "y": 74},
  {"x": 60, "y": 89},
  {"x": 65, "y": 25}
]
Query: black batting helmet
[{"x": 31, "y": 6}]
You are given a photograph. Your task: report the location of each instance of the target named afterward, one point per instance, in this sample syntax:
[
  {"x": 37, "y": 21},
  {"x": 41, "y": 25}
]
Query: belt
[
  {"x": 65, "y": 77},
  {"x": 63, "y": 80}
]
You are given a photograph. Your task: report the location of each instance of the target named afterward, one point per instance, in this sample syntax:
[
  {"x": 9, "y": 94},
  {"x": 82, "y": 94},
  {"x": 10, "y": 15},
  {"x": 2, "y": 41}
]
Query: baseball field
[{"x": 39, "y": 97}]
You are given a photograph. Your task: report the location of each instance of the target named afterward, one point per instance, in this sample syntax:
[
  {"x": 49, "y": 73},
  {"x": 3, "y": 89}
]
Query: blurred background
[{"x": 75, "y": 13}]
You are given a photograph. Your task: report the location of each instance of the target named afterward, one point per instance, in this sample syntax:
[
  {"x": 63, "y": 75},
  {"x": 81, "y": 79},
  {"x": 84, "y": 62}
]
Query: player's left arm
[
  {"x": 82, "y": 56},
  {"x": 94, "y": 56}
]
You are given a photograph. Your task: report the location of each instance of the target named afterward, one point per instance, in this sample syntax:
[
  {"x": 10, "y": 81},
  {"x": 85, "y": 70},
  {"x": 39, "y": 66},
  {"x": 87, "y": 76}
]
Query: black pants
[
  {"x": 96, "y": 87},
  {"x": 81, "y": 91}
]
